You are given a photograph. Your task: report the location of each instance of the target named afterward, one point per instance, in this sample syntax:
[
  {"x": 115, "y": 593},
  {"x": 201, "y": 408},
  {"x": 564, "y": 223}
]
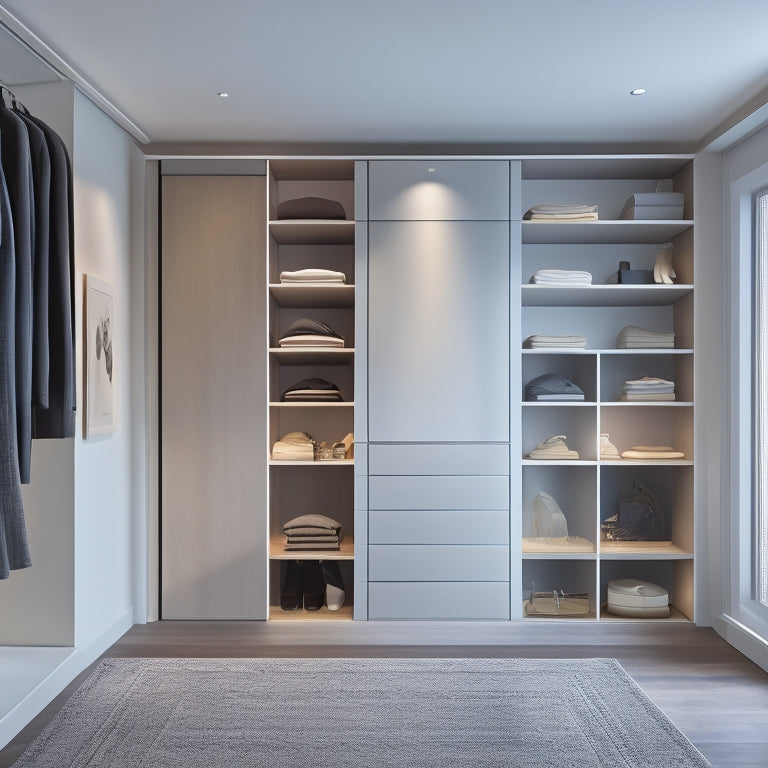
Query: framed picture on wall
[{"x": 99, "y": 357}]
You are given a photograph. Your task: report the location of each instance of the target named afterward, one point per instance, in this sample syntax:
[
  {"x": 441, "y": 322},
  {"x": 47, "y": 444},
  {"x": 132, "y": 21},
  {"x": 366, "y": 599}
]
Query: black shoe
[
  {"x": 290, "y": 594},
  {"x": 314, "y": 586},
  {"x": 334, "y": 586}
]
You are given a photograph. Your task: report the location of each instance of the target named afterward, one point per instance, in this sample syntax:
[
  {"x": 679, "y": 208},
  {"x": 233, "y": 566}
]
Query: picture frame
[{"x": 100, "y": 356}]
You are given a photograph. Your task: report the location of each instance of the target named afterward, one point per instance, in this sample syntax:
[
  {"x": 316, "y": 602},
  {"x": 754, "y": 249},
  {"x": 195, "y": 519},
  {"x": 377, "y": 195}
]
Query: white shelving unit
[
  {"x": 310, "y": 487},
  {"x": 588, "y": 490}
]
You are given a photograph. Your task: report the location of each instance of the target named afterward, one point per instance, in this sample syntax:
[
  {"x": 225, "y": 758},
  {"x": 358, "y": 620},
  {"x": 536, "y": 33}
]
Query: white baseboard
[
  {"x": 46, "y": 684},
  {"x": 742, "y": 639}
]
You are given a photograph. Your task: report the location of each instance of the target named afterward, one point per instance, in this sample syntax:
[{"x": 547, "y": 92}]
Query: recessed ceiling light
[
  {"x": 431, "y": 170},
  {"x": 637, "y": 91},
  {"x": 223, "y": 94}
]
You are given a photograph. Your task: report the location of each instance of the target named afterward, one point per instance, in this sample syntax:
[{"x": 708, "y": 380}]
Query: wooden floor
[{"x": 715, "y": 696}]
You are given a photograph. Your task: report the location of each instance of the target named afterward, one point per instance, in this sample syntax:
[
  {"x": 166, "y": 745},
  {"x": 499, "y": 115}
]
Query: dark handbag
[{"x": 638, "y": 519}]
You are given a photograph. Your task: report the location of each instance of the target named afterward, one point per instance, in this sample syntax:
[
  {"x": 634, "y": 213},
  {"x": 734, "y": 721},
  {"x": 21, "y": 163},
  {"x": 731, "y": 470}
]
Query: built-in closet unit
[
  {"x": 438, "y": 388},
  {"x": 437, "y": 505},
  {"x": 588, "y": 490},
  {"x": 324, "y": 487},
  {"x": 213, "y": 389}
]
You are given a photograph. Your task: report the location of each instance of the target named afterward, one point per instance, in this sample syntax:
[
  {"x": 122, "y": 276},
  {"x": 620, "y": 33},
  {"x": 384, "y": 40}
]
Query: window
[{"x": 760, "y": 398}]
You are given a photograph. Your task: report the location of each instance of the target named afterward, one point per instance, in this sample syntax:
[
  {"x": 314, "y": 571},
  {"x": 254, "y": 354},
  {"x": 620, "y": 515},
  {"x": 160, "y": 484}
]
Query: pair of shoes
[
  {"x": 303, "y": 584},
  {"x": 313, "y": 583},
  {"x": 334, "y": 586}
]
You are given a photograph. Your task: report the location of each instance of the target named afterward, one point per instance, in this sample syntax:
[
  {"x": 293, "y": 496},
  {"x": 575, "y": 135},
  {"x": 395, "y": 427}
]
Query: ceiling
[{"x": 351, "y": 73}]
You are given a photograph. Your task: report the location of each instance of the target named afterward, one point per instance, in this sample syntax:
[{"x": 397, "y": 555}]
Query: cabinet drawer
[
  {"x": 445, "y": 600},
  {"x": 442, "y": 190},
  {"x": 444, "y": 527},
  {"x": 438, "y": 493},
  {"x": 438, "y": 563},
  {"x": 477, "y": 459}
]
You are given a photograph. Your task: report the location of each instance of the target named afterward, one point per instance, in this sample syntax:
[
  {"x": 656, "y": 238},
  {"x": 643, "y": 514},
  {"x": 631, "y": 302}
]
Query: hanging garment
[
  {"x": 14, "y": 550},
  {"x": 58, "y": 420},
  {"x": 41, "y": 186},
  {"x": 17, "y": 169}
]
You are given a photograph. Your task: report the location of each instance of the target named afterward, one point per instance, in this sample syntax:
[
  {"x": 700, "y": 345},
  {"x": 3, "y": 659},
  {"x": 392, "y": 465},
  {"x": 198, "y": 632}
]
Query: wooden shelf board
[
  {"x": 602, "y": 295},
  {"x": 559, "y": 403},
  {"x": 540, "y": 549},
  {"x": 602, "y": 232},
  {"x": 307, "y": 404},
  {"x": 277, "y": 551},
  {"x": 559, "y": 463},
  {"x": 313, "y": 295},
  {"x": 313, "y": 355},
  {"x": 675, "y": 614},
  {"x": 646, "y": 403},
  {"x": 345, "y": 613},
  {"x": 642, "y": 550},
  {"x": 329, "y": 463},
  {"x": 313, "y": 231}
]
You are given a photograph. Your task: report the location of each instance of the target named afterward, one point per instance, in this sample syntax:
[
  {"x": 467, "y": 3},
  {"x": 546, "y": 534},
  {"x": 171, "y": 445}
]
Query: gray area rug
[{"x": 410, "y": 713}]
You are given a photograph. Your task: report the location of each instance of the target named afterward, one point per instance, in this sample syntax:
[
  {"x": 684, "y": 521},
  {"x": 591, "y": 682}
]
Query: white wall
[{"x": 104, "y": 160}]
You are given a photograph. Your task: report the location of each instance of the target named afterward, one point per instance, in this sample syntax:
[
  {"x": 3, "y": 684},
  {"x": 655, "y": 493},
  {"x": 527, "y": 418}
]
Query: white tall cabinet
[{"x": 438, "y": 389}]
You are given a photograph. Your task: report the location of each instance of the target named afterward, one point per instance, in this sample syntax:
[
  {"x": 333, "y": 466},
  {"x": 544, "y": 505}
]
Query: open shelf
[
  {"x": 313, "y": 355},
  {"x": 277, "y": 551},
  {"x": 315, "y": 295},
  {"x": 312, "y": 231},
  {"x": 642, "y": 550},
  {"x": 345, "y": 613},
  {"x": 609, "y": 231},
  {"x": 534, "y": 295}
]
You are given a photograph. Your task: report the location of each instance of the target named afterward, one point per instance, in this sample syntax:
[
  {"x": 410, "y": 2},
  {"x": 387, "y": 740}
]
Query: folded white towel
[{"x": 312, "y": 276}]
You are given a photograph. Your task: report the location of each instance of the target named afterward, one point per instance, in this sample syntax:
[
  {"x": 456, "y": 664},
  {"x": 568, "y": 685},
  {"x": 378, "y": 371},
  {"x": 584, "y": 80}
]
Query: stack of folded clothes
[
  {"x": 632, "y": 337},
  {"x": 554, "y": 449},
  {"x": 555, "y": 212},
  {"x": 303, "y": 276},
  {"x": 311, "y": 208},
  {"x": 561, "y": 277},
  {"x": 539, "y": 341},
  {"x": 295, "y": 446},
  {"x": 310, "y": 333},
  {"x": 648, "y": 388},
  {"x": 552, "y": 386},
  {"x": 312, "y": 532},
  {"x": 607, "y": 449},
  {"x": 652, "y": 452},
  {"x": 314, "y": 390}
]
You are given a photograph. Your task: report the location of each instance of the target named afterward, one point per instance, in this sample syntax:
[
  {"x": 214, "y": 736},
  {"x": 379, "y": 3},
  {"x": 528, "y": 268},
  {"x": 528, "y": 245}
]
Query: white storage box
[
  {"x": 654, "y": 205},
  {"x": 639, "y": 599}
]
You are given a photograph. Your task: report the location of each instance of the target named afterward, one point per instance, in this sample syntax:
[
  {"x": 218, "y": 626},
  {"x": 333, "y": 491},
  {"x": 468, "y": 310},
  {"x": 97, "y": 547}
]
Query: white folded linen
[
  {"x": 312, "y": 276},
  {"x": 553, "y": 448},
  {"x": 311, "y": 340},
  {"x": 633, "y": 337},
  {"x": 540, "y": 341},
  {"x": 562, "y": 276}
]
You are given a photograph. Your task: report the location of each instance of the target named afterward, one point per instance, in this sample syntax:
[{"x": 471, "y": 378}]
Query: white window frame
[{"x": 742, "y": 609}]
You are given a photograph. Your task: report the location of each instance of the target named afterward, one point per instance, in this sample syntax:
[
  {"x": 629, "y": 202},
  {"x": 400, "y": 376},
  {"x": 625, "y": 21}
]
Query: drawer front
[
  {"x": 438, "y": 190},
  {"x": 430, "y": 459},
  {"x": 438, "y": 563},
  {"x": 461, "y": 601},
  {"x": 413, "y": 526},
  {"x": 438, "y": 493}
]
